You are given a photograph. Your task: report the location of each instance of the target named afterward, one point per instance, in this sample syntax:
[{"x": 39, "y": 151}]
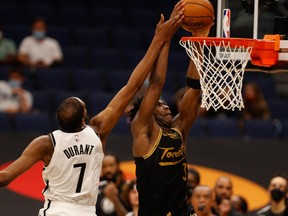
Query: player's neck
[{"x": 166, "y": 129}]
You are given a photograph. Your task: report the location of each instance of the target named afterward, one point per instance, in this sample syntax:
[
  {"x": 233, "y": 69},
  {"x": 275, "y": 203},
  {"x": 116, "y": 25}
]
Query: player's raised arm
[
  {"x": 188, "y": 109},
  {"x": 36, "y": 151},
  {"x": 107, "y": 119},
  {"x": 144, "y": 124}
]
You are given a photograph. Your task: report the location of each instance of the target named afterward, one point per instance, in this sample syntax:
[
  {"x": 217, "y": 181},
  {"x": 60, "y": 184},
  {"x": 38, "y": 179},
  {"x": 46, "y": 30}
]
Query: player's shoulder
[{"x": 43, "y": 140}]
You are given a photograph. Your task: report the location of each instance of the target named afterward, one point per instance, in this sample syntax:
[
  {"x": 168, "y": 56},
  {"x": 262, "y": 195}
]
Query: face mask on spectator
[
  {"x": 14, "y": 83},
  {"x": 277, "y": 195},
  {"x": 39, "y": 34}
]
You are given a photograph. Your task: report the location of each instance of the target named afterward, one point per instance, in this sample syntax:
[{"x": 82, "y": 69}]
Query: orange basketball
[{"x": 198, "y": 14}]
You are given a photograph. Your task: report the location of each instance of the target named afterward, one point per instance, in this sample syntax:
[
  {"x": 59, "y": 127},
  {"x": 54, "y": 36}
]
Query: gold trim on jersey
[
  {"x": 179, "y": 132},
  {"x": 155, "y": 145},
  {"x": 171, "y": 163}
]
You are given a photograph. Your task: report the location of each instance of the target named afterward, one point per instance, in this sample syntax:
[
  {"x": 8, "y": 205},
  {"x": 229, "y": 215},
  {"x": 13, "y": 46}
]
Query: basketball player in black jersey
[
  {"x": 159, "y": 142},
  {"x": 71, "y": 117}
]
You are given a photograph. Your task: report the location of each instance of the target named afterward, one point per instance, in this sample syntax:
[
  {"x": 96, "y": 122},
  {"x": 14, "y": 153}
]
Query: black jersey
[{"x": 161, "y": 177}]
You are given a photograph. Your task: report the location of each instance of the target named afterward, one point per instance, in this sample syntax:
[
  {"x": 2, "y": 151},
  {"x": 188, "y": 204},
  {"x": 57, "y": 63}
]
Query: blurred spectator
[
  {"x": 7, "y": 49},
  {"x": 202, "y": 200},
  {"x": 38, "y": 50},
  {"x": 223, "y": 193},
  {"x": 278, "y": 188},
  {"x": 13, "y": 98},
  {"x": 129, "y": 196},
  {"x": 240, "y": 204},
  {"x": 193, "y": 180},
  {"x": 223, "y": 188},
  {"x": 255, "y": 104},
  {"x": 111, "y": 183}
]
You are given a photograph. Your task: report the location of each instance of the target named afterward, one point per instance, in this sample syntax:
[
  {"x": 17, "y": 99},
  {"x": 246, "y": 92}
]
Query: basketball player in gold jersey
[
  {"x": 73, "y": 154},
  {"x": 159, "y": 142}
]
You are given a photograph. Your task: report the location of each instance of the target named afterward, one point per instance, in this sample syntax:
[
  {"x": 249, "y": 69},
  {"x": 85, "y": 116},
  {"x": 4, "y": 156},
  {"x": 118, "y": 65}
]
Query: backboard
[{"x": 255, "y": 19}]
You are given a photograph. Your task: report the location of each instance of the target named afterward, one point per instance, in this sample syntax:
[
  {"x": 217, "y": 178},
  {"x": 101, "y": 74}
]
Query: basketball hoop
[{"x": 221, "y": 64}]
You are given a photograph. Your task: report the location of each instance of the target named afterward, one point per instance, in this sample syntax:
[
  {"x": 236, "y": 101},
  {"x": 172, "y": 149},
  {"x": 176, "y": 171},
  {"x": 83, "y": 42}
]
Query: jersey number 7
[{"x": 81, "y": 175}]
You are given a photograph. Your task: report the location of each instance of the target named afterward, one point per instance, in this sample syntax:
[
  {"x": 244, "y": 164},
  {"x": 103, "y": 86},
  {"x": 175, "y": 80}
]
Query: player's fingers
[
  {"x": 180, "y": 4},
  {"x": 178, "y": 19},
  {"x": 161, "y": 20}
]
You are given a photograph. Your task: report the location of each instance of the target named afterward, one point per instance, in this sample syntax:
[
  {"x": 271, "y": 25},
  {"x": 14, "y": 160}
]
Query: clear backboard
[{"x": 255, "y": 19}]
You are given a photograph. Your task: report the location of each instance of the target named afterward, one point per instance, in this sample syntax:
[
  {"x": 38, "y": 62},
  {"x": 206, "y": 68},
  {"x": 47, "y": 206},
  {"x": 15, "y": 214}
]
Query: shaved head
[
  {"x": 70, "y": 114},
  {"x": 223, "y": 187}
]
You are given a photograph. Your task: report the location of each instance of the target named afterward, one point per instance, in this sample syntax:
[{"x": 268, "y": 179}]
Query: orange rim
[{"x": 264, "y": 52}]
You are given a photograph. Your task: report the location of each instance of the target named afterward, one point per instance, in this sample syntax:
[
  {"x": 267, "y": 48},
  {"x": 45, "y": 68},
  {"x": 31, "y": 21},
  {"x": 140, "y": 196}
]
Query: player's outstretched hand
[
  {"x": 166, "y": 29},
  {"x": 177, "y": 8}
]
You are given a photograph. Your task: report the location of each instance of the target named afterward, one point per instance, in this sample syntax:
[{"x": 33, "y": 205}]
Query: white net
[{"x": 221, "y": 70}]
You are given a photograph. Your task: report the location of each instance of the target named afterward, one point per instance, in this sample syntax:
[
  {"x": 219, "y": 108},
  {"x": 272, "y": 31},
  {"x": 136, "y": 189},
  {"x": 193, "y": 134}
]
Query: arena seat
[
  {"x": 75, "y": 56},
  {"x": 42, "y": 101},
  {"x": 92, "y": 37},
  {"x": 32, "y": 122},
  {"x": 61, "y": 34},
  {"x": 5, "y": 123},
  {"x": 285, "y": 128},
  {"x": 127, "y": 39},
  {"x": 107, "y": 58},
  {"x": 198, "y": 129},
  {"x": 122, "y": 127},
  {"x": 110, "y": 17},
  {"x": 278, "y": 108},
  {"x": 223, "y": 128},
  {"x": 178, "y": 61},
  {"x": 74, "y": 15},
  {"x": 174, "y": 81},
  {"x": 17, "y": 32},
  {"x": 98, "y": 102},
  {"x": 42, "y": 9},
  {"x": 116, "y": 79},
  {"x": 259, "y": 129},
  {"x": 132, "y": 57},
  {"x": 87, "y": 79},
  {"x": 53, "y": 78},
  {"x": 11, "y": 13},
  {"x": 142, "y": 18}
]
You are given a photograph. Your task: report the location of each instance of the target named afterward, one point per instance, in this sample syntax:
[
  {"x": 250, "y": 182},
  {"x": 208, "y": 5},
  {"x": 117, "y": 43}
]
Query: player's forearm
[
  {"x": 192, "y": 71},
  {"x": 4, "y": 179},
  {"x": 160, "y": 70}
]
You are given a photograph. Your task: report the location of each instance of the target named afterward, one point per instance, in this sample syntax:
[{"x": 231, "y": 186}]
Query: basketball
[{"x": 198, "y": 14}]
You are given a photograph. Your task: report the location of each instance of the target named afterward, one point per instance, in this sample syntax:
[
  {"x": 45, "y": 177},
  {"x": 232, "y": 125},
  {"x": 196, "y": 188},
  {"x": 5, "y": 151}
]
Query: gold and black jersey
[{"x": 161, "y": 177}]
